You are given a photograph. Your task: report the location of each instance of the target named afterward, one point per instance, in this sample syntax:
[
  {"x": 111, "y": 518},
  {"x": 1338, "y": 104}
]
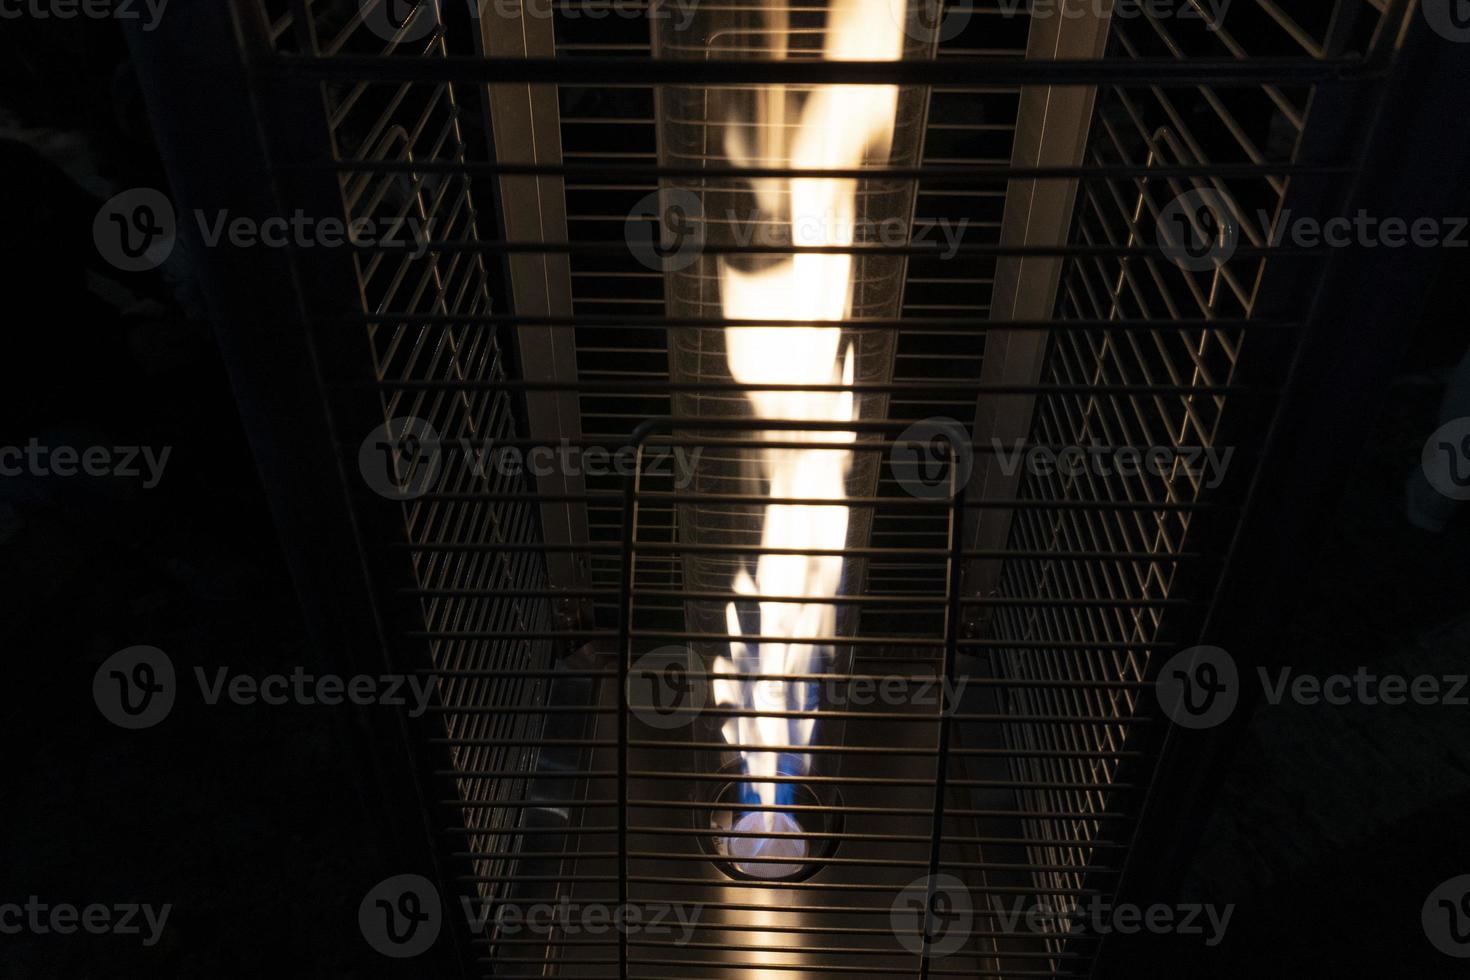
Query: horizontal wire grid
[{"x": 1045, "y": 743}]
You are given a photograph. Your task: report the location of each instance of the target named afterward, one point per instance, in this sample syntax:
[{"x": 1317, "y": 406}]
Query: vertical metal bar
[
  {"x": 631, "y": 485},
  {"x": 525, "y": 123},
  {"x": 955, "y": 572},
  {"x": 625, "y": 654},
  {"x": 1052, "y": 129}
]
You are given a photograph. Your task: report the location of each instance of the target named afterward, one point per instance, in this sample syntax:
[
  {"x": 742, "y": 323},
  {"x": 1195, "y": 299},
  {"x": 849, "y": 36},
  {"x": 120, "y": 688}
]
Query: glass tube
[{"x": 731, "y": 126}]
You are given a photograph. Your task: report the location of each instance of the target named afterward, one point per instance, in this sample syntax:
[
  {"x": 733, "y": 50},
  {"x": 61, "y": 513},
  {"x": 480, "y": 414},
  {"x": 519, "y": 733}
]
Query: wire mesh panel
[
  {"x": 633, "y": 745},
  {"x": 1164, "y": 501},
  {"x": 485, "y": 614}
]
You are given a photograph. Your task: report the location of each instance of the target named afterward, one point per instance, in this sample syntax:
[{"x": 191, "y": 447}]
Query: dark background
[{"x": 1332, "y": 827}]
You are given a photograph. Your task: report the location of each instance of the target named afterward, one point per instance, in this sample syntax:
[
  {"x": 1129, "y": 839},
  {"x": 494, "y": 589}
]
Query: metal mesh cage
[
  {"x": 992, "y": 729},
  {"x": 1108, "y": 621}
]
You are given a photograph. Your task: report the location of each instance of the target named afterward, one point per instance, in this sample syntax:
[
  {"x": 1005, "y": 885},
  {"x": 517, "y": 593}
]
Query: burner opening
[
  {"x": 801, "y": 832},
  {"x": 772, "y": 823}
]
